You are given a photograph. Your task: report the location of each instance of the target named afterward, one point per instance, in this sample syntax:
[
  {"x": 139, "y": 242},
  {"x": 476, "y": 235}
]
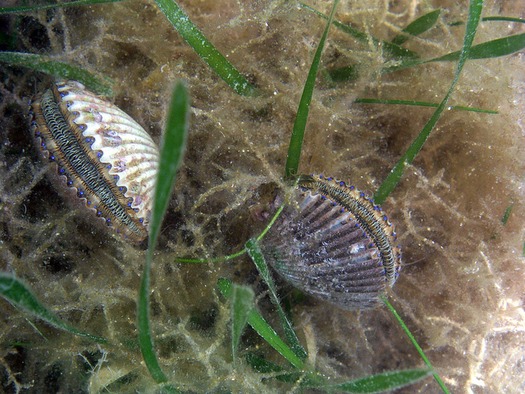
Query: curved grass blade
[
  {"x": 490, "y": 49},
  {"x": 58, "y": 69},
  {"x": 502, "y": 19},
  {"x": 30, "y": 8},
  {"x": 204, "y": 48},
  {"x": 494, "y": 18},
  {"x": 506, "y": 214},
  {"x": 255, "y": 253},
  {"x": 174, "y": 141},
  {"x": 305, "y": 379},
  {"x": 422, "y": 104},
  {"x": 390, "y": 48},
  {"x": 242, "y": 303},
  {"x": 414, "y": 342},
  {"x": 396, "y": 173},
  {"x": 417, "y": 27},
  {"x": 386, "y": 381},
  {"x": 486, "y": 50},
  {"x": 17, "y": 293},
  {"x": 261, "y": 326},
  {"x": 233, "y": 255},
  {"x": 172, "y": 149},
  {"x": 296, "y": 141}
]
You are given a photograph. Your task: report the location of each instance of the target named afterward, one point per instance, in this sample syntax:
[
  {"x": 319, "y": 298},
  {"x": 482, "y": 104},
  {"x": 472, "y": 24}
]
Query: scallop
[
  {"x": 332, "y": 242},
  {"x": 101, "y": 155}
]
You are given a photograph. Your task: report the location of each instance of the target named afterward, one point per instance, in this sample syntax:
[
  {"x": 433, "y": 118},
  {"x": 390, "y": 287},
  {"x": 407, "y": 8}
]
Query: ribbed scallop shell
[
  {"x": 334, "y": 243},
  {"x": 101, "y": 153}
]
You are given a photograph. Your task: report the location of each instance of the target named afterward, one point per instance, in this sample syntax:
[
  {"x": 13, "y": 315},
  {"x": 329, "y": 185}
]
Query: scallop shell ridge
[
  {"x": 101, "y": 152},
  {"x": 334, "y": 243}
]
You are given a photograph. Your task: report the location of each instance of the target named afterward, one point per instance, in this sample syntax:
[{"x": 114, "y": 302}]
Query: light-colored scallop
[{"x": 100, "y": 152}]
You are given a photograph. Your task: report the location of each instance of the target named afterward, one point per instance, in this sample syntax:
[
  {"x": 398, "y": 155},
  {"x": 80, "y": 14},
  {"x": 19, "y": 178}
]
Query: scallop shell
[
  {"x": 334, "y": 243},
  {"x": 101, "y": 153}
]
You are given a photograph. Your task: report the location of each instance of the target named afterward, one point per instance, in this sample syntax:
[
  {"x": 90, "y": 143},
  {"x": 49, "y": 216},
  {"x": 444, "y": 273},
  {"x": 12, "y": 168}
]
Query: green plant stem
[
  {"x": 257, "y": 256},
  {"x": 390, "y": 48},
  {"x": 396, "y": 173},
  {"x": 58, "y": 69},
  {"x": 414, "y": 342},
  {"x": 21, "y": 296},
  {"x": 261, "y": 326},
  {"x": 204, "y": 48},
  {"x": 174, "y": 141},
  {"x": 422, "y": 104},
  {"x": 232, "y": 256},
  {"x": 296, "y": 141}
]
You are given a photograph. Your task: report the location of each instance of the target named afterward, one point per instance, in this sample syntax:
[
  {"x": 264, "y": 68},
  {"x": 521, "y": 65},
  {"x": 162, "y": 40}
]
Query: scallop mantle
[{"x": 100, "y": 153}]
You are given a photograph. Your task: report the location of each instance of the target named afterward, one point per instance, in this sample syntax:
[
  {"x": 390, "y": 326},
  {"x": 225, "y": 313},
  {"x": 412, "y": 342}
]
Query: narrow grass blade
[
  {"x": 261, "y": 326},
  {"x": 171, "y": 152},
  {"x": 421, "y": 104},
  {"x": 495, "y": 19},
  {"x": 30, "y": 8},
  {"x": 486, "y": 50},
  {"x": 233, "y": 255},
  {"x": 390, "y": 48},
  {"x": 414, "y": 342},
  {"x": 396, "y": 173},
  {"x": 18, "y": 294},
  {"x": 490, "y": 49},
  {"x": 204, "y": 48},
  {"x": 255, "y": 253},
  {"x": 502, "y": 19},
  {"x": 58, "y": 69},
  {"x": 172, "y": 148},
  {"x": 386, "y": 381},
  {"x": 296, "y": 141},
  {"x": 417, "y": 27},
  {"x": 506, "y": 215},
  {"x": 242, "y": 303},
  {"x": 305, "y": 379}
]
